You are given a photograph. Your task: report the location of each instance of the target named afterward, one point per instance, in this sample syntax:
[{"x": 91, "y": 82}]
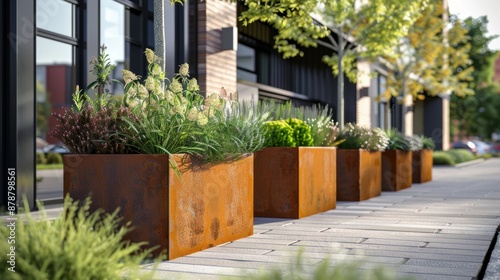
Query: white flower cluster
[{"x": 416, "y": 143}]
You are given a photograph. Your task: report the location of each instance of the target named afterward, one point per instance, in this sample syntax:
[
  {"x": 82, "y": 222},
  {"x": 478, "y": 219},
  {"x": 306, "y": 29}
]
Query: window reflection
[
  {"x": 113, "y": 36},
  {"x": 246, "y": 63},
  {"x": 56, "y": 16},
  {"x": 55, "y": 82}
]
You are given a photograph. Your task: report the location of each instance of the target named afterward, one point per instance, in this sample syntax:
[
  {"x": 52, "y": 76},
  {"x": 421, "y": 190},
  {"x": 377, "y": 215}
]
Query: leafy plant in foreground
[{"x": 76, "y": 245}]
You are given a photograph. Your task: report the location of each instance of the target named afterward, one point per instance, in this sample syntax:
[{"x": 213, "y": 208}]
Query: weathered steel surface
[
  {"x": 359, "y": 174},
  {"x": 396, "y": 170},
  {"x": 210, "y": 205},
  {"x": 422, "y": 166},
  {"x": 294, "y": 182},
  {"x": 203, "y": 208}
]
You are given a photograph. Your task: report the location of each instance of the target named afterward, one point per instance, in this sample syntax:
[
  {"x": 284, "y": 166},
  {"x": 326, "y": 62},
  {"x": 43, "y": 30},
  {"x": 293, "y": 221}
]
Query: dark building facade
[{"x": 46, "y": 47}]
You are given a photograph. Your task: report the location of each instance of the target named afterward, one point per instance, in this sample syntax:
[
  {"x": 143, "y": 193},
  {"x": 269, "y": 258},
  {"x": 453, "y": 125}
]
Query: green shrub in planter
[
  {"x": 301, "y": 132},
  {"x": 40, "y": 158},
  {"x": 442, "y": 158},
  {"x": 397, "y": 141},
  {"x": 54, "y": 158},
  {"x": 428, "y": 143},
  {"x": 279, "y": 134},
  {"x": 76, "y": 245},
  {"x": 287, "y": 133}
]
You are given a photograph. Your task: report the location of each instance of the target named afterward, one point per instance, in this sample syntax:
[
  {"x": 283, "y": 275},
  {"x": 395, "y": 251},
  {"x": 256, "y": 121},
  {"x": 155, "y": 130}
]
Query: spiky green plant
[
  {"x": 77, "y": 245},
  {"x": 397, "y": 141},
  {"x": 428, "y": 143}
]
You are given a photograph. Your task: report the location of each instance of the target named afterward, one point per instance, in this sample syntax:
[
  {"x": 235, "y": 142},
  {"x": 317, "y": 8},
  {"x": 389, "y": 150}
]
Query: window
[
  {"x": 253, "y": 64},
  {"x": 113, "y": 37},
  {"x": 246, "y": 63},
  {"x": 58, "y": 52},
  {"x": 56, "y": 47}
]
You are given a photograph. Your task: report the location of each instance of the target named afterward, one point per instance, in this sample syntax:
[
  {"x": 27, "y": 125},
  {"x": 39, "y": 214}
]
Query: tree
[
  {"x": 364, "y": 29},
  {"x": 478, "y": 114},
  {"x": 424, "y": 62}
]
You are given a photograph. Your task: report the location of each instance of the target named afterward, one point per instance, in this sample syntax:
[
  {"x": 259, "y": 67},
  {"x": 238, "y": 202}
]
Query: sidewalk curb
[
  {"x": 52, "y": 201},
  {"x": 493, "y": 268},
  {"x": 470, "y": 162}
]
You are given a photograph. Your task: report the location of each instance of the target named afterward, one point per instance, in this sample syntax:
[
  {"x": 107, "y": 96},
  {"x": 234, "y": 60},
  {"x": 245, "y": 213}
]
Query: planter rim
[
  {"x": 300, "y": 147},
  {"x": 359, "y": 150}
]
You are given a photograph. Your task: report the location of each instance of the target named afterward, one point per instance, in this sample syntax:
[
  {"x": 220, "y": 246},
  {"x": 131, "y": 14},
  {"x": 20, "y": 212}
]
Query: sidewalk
[{"x": 438, "y": 230}]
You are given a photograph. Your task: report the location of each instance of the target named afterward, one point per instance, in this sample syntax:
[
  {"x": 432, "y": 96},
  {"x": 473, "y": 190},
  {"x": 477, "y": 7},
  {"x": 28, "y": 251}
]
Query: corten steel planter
[
  {"x": 396, "y": 170},
  {"x": 207, "y": 206},
  {"x": 422, "y": 166},
  {"x": 294, "y": 182},
  {"x": 359, "y": 174}
]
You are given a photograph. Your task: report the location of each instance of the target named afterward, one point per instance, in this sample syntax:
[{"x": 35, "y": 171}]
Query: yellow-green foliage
[
  {"x": 301, "y": 132},
  {"x": 279, "y": 134},
  {"x": 442, "y": 158},
  {"x": 452, "y": 157},
  {"x": 54, "y": 158},
  {"x": 460, "y": 155},
  {"x": 77, "y": 245},
  {"x": 291, "y": 132},
  {"x": 40, "y": 158}
]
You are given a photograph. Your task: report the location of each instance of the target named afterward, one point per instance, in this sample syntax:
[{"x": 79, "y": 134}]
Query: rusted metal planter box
[
  {"x": 207, "y": 206},
  {"x": 359, "y": 174},
  {"x": 294, "y": 182},
  {"x": 422, "y": 166},
  {"x": 396, "y": 170}
]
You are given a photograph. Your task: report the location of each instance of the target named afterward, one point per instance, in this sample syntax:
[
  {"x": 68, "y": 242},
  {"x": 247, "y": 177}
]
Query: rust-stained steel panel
[
  {"x": 396, "y": 170},
  {"x": 167, "y": 211},
  {"x": 422, "y": 166},
  {"x": 210, "y": 205},
  {"x": 294, "y": 182},
  {"x": 358, "y": 174}
]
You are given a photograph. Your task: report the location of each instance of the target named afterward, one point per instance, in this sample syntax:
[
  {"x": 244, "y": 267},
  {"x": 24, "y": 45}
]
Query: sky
[{"x": 477, "y": 8}]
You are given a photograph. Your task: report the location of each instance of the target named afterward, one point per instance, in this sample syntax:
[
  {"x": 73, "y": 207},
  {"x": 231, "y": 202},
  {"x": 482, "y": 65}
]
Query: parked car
[
  {"x": 58, "y": 149},
  {"x": 481, "y": 147},
  {"x": 467, "y": 145}
]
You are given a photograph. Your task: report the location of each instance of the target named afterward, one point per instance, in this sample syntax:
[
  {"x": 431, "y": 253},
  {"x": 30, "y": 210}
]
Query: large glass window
[
  {"x": 246, "y": 63},
  {"x": 253, "y": 64},
  {"x": 55, "y": 16},
  {"x": 113, "y": 36},
  {"x": 383, "y": 107},
  {"x": 56, "y": 72}
]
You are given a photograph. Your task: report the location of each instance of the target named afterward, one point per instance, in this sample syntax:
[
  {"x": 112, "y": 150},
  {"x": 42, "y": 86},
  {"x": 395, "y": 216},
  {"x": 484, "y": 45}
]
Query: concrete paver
[{"x": 437, "y": 230}]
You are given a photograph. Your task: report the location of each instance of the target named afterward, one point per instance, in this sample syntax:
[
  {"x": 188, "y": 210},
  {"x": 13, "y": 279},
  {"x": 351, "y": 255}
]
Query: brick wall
[{"x": 216, "y": 68}]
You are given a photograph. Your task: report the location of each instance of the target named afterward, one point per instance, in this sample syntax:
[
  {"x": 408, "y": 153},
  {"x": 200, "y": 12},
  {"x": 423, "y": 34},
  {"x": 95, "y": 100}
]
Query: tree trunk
[
  {"x": 159, "y": 31},
  {"x": 340, "y": 81}
]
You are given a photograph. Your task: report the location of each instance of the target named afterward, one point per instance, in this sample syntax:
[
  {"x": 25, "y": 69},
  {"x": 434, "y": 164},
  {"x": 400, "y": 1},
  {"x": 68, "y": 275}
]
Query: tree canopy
[
  {"x": 478, "y": 114},
  {"x": 362, "y": 29},
  {"x": 426, "y": 58}
]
